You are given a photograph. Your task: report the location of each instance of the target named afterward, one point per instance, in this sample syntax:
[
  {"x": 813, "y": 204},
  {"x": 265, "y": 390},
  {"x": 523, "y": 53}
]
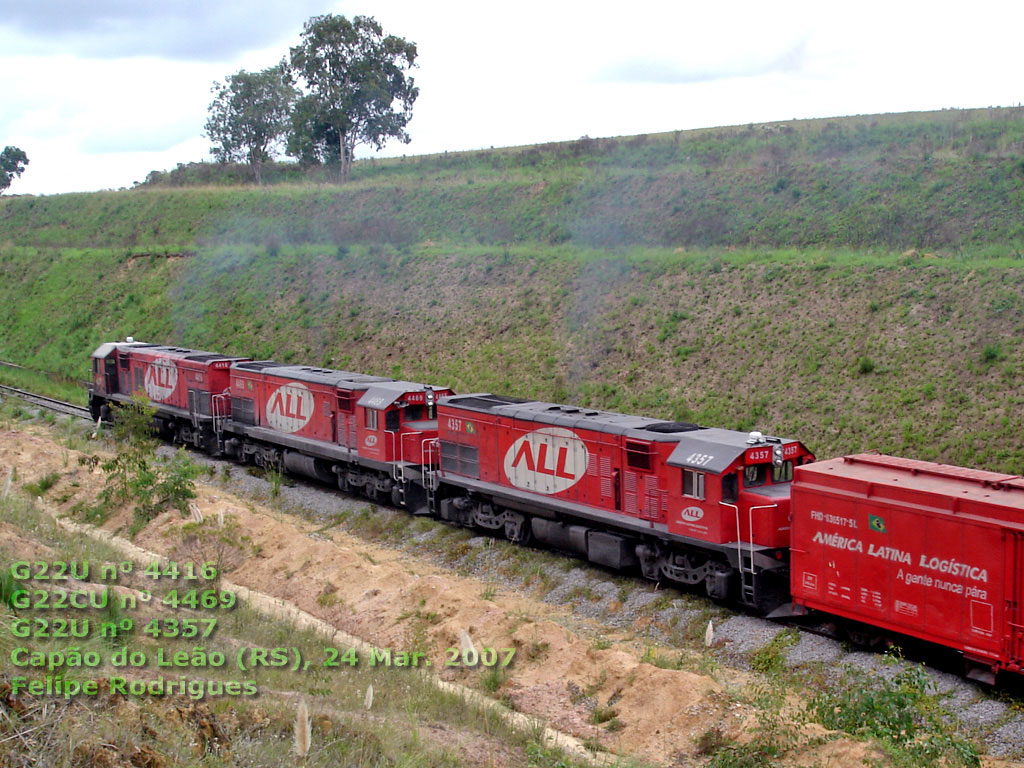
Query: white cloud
[{"x": 489, "y": 74}]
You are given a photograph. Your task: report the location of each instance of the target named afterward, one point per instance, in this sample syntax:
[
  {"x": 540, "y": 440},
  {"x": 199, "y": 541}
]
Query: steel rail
[{"x": 48, "y": 402}]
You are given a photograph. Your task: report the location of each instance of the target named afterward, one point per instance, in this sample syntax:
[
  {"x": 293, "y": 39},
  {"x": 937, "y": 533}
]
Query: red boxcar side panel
[{"x": 863, "y": 550}]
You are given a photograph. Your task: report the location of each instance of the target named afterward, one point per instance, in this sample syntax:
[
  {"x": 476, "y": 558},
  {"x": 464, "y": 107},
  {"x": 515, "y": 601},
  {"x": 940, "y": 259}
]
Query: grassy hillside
[
  {"x": 919, "y": 356},
  {"x": 952, "y": 179},
  {"x": 747, "y": 277}
]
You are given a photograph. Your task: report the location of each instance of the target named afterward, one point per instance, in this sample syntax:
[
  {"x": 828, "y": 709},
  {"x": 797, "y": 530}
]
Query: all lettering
[
  {"x": 525, "y": 453},
  {"x": 286, "y": 406}
]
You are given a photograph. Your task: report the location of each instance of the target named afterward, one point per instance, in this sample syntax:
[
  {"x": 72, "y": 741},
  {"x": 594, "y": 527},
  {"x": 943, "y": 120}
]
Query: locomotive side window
[
  {"x": 370, "y": 418},
  {"x": 414, "y": 413},
  {"x": 391, "y": 420},
  {"x": 345, "y": 401},
  {"x": 754, "y": 475},
  {"x": 638, "y": 455},
  {"x": 730, "y": 488},
  {"x": 693, "y": 484},
  {"x": 124, "y": 361},
  {"x": 783, "y": 473}
]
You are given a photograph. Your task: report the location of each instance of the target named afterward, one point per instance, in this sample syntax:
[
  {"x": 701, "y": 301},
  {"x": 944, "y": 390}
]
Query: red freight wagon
[
  {"x": 927, "y": 550},
  {"x": 687, "y": 502}
]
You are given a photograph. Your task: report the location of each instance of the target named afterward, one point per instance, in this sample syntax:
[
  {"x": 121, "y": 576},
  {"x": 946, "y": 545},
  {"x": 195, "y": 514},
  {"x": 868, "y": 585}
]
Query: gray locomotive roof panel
[
  {"x": 717, "y": 447},
  {"x": 185, "y": 353},
  {"x": 483, "y": 402},
  {"x": 569, "y": 416},
  {"x": 328, "y": 376},
  {"x": 713, "y": 450},
  {"x": 257, "y": 365},
  {"x": 209, "y": 357},
  {"x": 105, "y": 349}
]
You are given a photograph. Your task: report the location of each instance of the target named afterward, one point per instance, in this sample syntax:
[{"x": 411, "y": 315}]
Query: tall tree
[
  {"x": 12, "y": 165},
  {"x": 249, "y": 115},
  {"x": 357, "y": 89}
]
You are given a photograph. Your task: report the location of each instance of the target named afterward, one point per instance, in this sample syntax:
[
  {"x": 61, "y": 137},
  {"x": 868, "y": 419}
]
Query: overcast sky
[{"x": 100, "y": 92}]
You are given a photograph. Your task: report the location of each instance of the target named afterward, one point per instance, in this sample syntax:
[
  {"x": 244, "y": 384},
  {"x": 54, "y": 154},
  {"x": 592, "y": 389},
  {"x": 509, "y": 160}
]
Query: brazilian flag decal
[
  {"x": 470, "y": 428},
  {"x": 876, "y": 523}
]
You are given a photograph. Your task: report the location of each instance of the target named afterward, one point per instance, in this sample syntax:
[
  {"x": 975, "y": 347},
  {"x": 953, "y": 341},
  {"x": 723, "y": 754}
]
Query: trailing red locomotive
[{"x": 907, "y": 547}]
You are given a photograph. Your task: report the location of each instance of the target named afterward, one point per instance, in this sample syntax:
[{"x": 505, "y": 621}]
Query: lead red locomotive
[{"x": 902, "y": 546}]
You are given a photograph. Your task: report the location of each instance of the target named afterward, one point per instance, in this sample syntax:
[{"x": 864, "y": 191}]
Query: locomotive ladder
[
  {"x": 745, "y": 556},
  {"x": 431, "y": 451}
]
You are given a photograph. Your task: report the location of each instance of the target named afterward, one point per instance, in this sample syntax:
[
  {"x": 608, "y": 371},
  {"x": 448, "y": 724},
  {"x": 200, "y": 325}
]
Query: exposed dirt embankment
[{"x": 599, "y": 691}]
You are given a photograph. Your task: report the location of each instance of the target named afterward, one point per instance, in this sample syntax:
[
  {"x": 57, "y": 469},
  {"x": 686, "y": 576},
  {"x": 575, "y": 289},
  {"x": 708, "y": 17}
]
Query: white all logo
[
  {"x": 692, "y": 514},
  {"x": 548, "y": 460},
  {"x": 161, "y": 379},
  {"x": 290, "y": 407}
]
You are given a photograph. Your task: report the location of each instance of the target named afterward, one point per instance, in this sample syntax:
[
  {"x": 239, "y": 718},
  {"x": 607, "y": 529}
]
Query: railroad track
[{"x": 47, "y": 402}]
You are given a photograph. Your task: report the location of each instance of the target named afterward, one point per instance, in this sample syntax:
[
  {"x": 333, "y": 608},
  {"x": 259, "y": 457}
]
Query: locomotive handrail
[
  {"x": 430, "y": 472},
  {"x": 219, "y": 414},
  {"x": 745, "y": 586},
  {"x": 396, "y": 466}
]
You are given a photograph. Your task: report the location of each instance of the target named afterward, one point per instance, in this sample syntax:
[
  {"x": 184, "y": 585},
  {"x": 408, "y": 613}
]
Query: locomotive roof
[
  {"x": 105, "y": 349},
  {"x": 565, "y": 415},
  {"x": 711, "y": 449},
  {"x": 329, "y": 376},
  {"x": 177, "y": 353},
  {"x": 378, "y": 391},
  {"x": 184, "y": 353}
]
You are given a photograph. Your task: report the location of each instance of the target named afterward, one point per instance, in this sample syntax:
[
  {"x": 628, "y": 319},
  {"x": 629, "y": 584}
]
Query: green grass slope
[
  {"x": 753, "y": 277},
  {"x": 952, "y": 179},
  {"x": 913, "y": 355}
]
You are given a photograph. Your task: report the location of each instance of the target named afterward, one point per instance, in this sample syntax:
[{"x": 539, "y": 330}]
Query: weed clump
[{"x": 899, "y": 711}]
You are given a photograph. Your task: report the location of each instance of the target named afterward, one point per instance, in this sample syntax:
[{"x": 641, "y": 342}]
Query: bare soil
[{"x": 395, "y": 600}]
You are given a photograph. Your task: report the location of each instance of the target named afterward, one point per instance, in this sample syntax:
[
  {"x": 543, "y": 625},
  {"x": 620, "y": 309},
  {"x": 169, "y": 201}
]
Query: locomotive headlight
[
  {"x": 430, "y": 396},
  {"x": 777, "y": 456}
]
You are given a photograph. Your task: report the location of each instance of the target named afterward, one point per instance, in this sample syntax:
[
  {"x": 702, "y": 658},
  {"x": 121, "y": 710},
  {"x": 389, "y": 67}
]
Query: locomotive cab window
[
  {"x": 693, "y": 484},
  {"x": 370, "y": 419},
  {"x": 414, "y": 413},
  {"x": 754, "y": 475},
  {"x": 391, "y": 419},
  {"x": 124, "y": 361},
  {"x": 782, "y": 473}
]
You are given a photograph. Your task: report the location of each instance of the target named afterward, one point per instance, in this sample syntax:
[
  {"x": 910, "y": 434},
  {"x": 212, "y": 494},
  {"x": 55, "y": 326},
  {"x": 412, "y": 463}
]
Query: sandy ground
[{"x": 397, "y": 601}]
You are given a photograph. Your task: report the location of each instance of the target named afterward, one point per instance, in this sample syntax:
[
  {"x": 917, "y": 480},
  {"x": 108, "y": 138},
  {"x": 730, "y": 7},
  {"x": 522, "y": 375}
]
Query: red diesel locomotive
[
  {"x": 902, "y": 546},
  {"x": 683, "y": 502}
]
